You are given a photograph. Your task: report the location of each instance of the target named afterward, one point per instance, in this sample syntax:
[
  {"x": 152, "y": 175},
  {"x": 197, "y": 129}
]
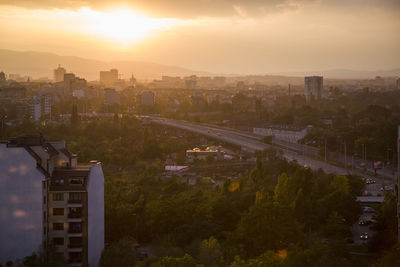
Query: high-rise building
[
  {"x": 398, "y": 83},
  {"x": 59, "y": 74},
  {"x": 47, "y": 200},
  {"x": 40, "y": 106},
  {"x": 109, "y": 77},
  {"x": 313, "y": 86}
]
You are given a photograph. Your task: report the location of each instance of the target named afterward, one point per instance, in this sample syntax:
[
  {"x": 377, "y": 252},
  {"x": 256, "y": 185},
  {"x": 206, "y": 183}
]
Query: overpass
[{"x": 251, "y": 142}]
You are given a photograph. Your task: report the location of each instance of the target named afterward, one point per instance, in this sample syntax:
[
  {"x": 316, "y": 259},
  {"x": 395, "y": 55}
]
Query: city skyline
[{"x": 243, "y": 37}]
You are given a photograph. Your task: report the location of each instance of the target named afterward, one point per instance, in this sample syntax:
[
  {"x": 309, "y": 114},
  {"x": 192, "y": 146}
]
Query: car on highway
[
  {"x": 364, "y": 236},
  {"x": 387, "y": 188},
  {"x": 368, "y": 210},
  {"x": 364, "y": 221},
  {"x": 369, "y": 181}
]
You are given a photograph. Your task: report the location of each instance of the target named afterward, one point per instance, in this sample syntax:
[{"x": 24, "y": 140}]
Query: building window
[
  {"x": 75, "y": 242},
  {"x": 44, "y": 184},
  {"x": 76, "y": 181},
  {"x": 75, "y": 197},
  {"x": 58, "y": 241},
  {"x": 58, "y": 226},
  {"x": 75, "y": 257},
  {"x": 58, "y": 211},
  {"x": 75, "y": 227},
  {"x": 44, "y": 215},
  {"x": 59, "y": 181},
  {"x": 58, "y": 196},
  {"x": 44, "y": 230},
  {"x": 44, "y": 199}
]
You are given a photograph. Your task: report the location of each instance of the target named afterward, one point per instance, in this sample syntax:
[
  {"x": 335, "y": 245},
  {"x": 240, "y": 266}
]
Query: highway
[{"x": 251, "y": 143}]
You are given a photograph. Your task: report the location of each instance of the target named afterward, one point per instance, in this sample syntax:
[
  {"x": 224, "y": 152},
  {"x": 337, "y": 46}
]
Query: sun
[{"x": 123, "y": 25}]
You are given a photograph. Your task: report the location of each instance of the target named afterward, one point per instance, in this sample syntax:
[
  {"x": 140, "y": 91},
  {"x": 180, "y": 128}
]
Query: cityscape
[{"x": 191, "y": 133}]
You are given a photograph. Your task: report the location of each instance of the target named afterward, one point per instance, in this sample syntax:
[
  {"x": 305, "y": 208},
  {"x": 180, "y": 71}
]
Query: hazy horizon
[{"x": 232, "y": 37}]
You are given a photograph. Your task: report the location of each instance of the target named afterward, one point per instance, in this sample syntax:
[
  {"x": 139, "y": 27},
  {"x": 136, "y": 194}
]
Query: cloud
[{"x": 173, "y": 8}]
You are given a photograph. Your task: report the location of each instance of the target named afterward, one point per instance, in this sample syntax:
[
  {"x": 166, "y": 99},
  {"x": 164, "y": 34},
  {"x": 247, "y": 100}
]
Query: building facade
[
  {"x": 111, "y": 97},
  {"x": 109, "y": 77},
  {"x": 290, "y": 134},
  {"x": 48, "y": 201},
  {"x": 147, "y": 98},
  {"x": 313, "y": 86},
  {"x": 59, "y": 74}
]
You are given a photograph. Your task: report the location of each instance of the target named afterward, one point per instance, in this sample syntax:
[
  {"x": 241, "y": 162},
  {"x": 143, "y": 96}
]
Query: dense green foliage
[{"x": 280, "y": 214}]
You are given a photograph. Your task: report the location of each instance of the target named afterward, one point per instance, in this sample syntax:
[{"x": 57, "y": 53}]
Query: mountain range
[{"x": 40, "y": 64}]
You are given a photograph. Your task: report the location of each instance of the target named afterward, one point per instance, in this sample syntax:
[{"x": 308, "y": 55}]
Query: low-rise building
[
  {"x": 198, "y": 154},
  {"x": 287, "y": 133}
]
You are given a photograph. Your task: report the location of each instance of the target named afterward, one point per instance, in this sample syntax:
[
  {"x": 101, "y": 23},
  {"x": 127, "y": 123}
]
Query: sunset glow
[{"x": 122, "y": 25}]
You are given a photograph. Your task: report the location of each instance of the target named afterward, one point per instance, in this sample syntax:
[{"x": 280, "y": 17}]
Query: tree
[
  {"x": 185, "y": 261},
  {"x": 74, "y": 115},
  {"x": 209, "y": 251},
  {"x": 121, "y": 253}
]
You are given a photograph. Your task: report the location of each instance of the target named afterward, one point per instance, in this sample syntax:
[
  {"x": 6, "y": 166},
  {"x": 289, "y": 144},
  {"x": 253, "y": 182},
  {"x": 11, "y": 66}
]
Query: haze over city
[{"x": 241, "y": 37}]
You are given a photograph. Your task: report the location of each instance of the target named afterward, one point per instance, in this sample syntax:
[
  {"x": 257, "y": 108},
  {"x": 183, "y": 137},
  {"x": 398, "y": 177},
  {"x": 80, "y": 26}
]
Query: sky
[{"x": 220, "y": 36}]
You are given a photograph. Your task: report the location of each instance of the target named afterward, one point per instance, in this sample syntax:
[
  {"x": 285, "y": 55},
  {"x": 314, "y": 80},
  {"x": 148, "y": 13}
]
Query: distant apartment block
[
  {"x": 147, "y": 99},
  {"x": 59, "y": 74},
  {"x": 111, "y": 97},
  {"x": 283, "y": 132},
  {"x": 109, "y": 77},
  {"x": 190, "y": 84},
  {"x": 48, "y": 200},
  {"x": 313, "y": 86},
  {"x": 398, "y": 83},
  {"x": 72, "y": 82},
  {"x": 40, "y": 106}
]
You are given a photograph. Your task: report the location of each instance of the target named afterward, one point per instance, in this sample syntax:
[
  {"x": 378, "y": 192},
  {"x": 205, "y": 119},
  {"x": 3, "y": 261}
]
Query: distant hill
[
  {"x": 347, "y": 74},
  {"x": 39, "y": 64}
]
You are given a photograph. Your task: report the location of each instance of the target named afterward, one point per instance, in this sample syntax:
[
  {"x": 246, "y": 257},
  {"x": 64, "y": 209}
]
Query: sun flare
[{"x": 123, "y": 25}]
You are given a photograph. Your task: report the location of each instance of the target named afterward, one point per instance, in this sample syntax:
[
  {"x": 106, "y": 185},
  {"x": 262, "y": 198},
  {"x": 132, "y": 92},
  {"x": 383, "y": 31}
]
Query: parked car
[
  {"x": 369, "y": 181},
  {"x": 364, "y": 236}
]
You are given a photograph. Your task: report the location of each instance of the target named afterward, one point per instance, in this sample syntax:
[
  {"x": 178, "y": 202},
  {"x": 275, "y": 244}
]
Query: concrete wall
[
  {"x": 95, "y": 215},
  {"x": 20, "y": 204}
]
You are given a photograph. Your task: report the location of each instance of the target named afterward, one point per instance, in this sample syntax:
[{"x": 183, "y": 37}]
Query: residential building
[
  {"x": 147, "y": 98},
  {"x": 210, "y": 152},
  {"x": 287, "y": 133},
  {"x": 47, "y": 199},
  {"x": 72, "y": 82},
  {"x": 398, "y": 83},
  {"x": 59, "y": 74},
  {"x": 109, "y": 77},
  {"x": 40, "y": 106},
  {"x": 313, "y": 86},
  {"x": 78, "y": 93},
  {"x": 111, "y": 97}
]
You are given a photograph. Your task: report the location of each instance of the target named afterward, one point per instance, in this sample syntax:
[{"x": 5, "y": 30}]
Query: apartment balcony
[
  {"x": 74, "y": 203},
  {"x": 75, "y": 231},
  {"x": 74, "y": 215},
  {"x": 75, "y": 261},
  {"x": 75, "y": 245}
]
